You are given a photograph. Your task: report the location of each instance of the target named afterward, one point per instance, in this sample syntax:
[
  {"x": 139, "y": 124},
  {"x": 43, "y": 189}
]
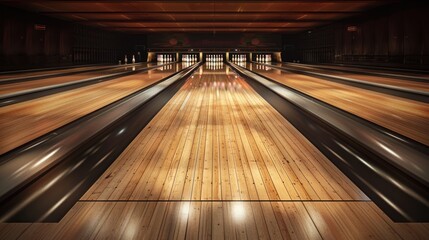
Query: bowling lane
[
  {"x": 43, "y": 72},
  {"x": 406, "y": 117},
  {"x": 217, "y": 139},
  {"x": 407, "y": 72},
  {"x": 23, "y": 122},
  {"x": 220, "y": 220},
  {"x": 408, "y": 84},
  {"x": 48, "y": 81}
]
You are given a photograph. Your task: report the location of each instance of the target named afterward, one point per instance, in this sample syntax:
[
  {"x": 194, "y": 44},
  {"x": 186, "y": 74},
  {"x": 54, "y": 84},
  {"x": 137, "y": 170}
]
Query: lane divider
[
  {"x": 22, "y": 166},
  {"x": 391, "y": 169}
]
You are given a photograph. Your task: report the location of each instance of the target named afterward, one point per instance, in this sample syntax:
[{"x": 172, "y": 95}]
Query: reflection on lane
[
  {"x": 55, "y": 192},
  {"x": 23, "y": 122},
  {"x": 14, "y": 87},
  {"x": 406, "y": 117},
  {"x": 47, "y": 72},
  {"x": 367, "y": 76}
]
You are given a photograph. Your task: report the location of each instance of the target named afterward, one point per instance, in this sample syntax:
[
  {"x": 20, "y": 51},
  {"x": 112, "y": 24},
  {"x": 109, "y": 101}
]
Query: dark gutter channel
[
  {"x": 49, "y": 188},
  {"x": 26, "y": 95},
  {"x": 379, "y": 74},
  {"x": 400, "y": 195},
  {"x": 412, "y": 94}
]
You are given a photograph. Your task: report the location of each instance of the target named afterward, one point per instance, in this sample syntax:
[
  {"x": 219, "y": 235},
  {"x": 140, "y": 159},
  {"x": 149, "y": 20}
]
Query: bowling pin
[
  {"x": 126, "y": 59},
  {"x": 134, "y": 59}
]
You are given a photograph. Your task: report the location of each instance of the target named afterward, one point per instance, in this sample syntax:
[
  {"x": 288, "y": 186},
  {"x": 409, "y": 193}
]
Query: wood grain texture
[
  {"x": 24, "y": 74},
  {"x": 18, "y": 86},
  {"x": 407, "y": 117},
  {"x": 387, "y": 80},
  {"x": 219, "y": 220},
  {"x": 218, "y": 162},
  {"x": 217, "y": 139},
  {"x": 25, "y": 121}
]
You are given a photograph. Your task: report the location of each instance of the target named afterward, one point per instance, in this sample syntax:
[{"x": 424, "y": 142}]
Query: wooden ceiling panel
[{"x": 191, "y": 15}]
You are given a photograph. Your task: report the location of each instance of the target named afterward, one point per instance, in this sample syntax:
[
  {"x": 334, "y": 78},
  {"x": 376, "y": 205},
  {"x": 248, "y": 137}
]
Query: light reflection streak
[
  {"x": 46, "y": 157},
  {"x": 238, "y": 211},
  {"x": 101, "y": 160},
  {"x": 386, "y": 176},
  {"x": 121, "y": 131},
  {"x": 389, "y": 150},
  {"x": 185, "y": 210},
  {"x": 390, "y": 203},
  {"x": 33, "y": 196},
  {"x": 63, "y": 199}
]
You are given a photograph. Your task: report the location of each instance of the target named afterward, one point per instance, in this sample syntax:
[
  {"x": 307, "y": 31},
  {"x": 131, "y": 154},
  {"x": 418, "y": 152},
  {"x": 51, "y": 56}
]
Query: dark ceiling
[{"x": 200, "y": 16}]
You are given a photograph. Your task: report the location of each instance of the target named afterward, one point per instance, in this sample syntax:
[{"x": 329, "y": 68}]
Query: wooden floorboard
[
  {"x": 218, "y": 139},
  {"x": 218, "y": 162},
  {"x": 363, "y": 76},
  {"x": 220, "y": 220},
  {"x": 70, "y": 70},
  {"x": 404, "y": 116},
  {"x": 18, "y": 86},
  {"x": 48, "y": 113}
]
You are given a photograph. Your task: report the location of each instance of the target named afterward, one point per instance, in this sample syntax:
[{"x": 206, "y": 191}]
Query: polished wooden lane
[
  {"x": 72, "y": 77},
  {"x": 419, "y": 74},
  {"x": 219, "y": 220},
  {"x": 407, "y": 117},
  {"x": 23, "y": 122},
  {"x": 42, "y": 72},
  {"x": 407, "y": 84},
  {"x": 218, "y": 139},
  {"x": 218, "y": 162}
]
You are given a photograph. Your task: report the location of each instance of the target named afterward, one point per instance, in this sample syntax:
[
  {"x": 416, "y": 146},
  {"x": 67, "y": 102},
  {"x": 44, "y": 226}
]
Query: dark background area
[
  {"x": 396, "y": 35},
  {"x": 61, "y": 43},
  {"x": 388, "y": 36}
]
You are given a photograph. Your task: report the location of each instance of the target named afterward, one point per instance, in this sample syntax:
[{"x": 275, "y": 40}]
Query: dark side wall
[
  {"x": 61, "y": 43},
  {"x": 397, "y": 35}
]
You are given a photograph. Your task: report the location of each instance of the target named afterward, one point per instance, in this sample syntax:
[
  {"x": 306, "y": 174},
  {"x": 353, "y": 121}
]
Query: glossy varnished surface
[
  {"x": 219, "y": 220},
  {"x": 72, "y": 77},
  {"x": 218, "y": 139},
  {"x": 406, "y": 117},
  {"x": 218, "y": 162},
  {"x": 45, "y": 72},
  {"x": 23, "y": 122},
  {"x": 385, "y": 80}
]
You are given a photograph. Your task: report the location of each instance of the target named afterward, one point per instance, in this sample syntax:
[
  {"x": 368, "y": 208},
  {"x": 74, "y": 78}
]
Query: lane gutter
[
  {"x": 392, "y": 170},
  {"x": 41, "y": 182},
  {"x": 30, "y": 94},
  {"x": 45, "y": 75},
  {"x": 380, "y": 74},
  {"x": 416, "y": 95}
]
